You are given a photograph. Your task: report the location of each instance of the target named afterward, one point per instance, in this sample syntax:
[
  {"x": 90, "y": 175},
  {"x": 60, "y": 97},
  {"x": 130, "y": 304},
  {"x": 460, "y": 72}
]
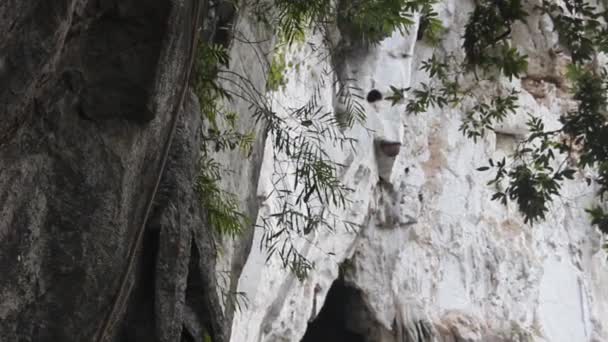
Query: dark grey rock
[{"x": 87, "y": 94}]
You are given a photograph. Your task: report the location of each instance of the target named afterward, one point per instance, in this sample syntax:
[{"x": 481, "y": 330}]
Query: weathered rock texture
[
  {"x": 434, "y": 259},
  {"x": 89, "y": 93}
]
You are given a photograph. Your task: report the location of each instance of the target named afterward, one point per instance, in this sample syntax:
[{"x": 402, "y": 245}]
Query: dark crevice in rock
[
  {"x": 186, "y": 337},
  {"x": 343, "y": 318},
  {"x": 140, "y": 320},
  {"x": 182, "y": 289},
  {"x": 197, "y": 300}
]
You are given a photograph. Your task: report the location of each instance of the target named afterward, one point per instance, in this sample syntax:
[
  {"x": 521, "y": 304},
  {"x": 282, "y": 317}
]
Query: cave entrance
[{"x": 343, "y": 318}]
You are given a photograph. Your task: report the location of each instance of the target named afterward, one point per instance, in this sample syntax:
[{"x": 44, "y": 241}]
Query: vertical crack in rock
[
  {"x": 139, "y": 324},
  {"x": 175, "y": 296}
]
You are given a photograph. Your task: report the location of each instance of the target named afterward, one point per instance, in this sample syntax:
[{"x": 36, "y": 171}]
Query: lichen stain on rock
[{"x": 436, "y": 161}]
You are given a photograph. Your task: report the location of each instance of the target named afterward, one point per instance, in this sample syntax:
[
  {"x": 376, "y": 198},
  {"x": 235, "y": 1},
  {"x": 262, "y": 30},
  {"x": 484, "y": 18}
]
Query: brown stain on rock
[
  {"x": 436, "y": 145},
  {"x": 540, "y": 85},
  {"x": 510, "y": 228}
]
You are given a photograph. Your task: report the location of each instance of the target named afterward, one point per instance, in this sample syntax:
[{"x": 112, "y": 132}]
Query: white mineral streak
[{"x": 432, "y": 249}]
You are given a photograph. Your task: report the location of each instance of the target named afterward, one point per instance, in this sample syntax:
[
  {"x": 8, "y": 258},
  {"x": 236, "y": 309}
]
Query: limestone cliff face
[{"x": 432, "y": 259}]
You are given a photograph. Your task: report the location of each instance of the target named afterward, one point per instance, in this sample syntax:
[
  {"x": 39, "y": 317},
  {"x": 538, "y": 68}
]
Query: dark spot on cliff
[
  {"x": 389, "y": 148},
  {"x": 343, "y": 318},
  {"x": 374, "y": 95}
]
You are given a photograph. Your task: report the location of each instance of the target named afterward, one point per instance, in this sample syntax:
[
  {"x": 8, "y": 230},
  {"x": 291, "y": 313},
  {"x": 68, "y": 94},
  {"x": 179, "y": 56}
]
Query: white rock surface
[{"x": 432, "y": 250}]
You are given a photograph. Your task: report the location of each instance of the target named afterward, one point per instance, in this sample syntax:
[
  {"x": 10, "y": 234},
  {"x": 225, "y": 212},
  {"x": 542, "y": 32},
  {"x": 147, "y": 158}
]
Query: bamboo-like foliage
[
  {"x": 543, "y": 160},
  {"x": 308, "y": 191}
]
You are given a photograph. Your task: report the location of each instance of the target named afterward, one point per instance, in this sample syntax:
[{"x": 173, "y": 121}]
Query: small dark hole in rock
[{"x": 373, "y": 96}]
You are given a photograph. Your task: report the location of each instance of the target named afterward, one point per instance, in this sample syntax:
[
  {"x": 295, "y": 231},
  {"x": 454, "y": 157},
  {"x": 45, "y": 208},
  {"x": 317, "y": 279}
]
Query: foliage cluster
[
  {"x": 533, "y": 175},
  {"x": 276, "y": 72},
  {"x": 307, "y": 195},
  {"x": 299, "y": 139},
  {"x": 222, "y": 207},
  {"x": 536, "y": 176},
  {"x": 485, "y": 37},
  {"x": 362, "y": 21},
  {"x": 430, "y": 26},
  {"x": 581, "y": 26},
  {"x": 371, "y": 21}
]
